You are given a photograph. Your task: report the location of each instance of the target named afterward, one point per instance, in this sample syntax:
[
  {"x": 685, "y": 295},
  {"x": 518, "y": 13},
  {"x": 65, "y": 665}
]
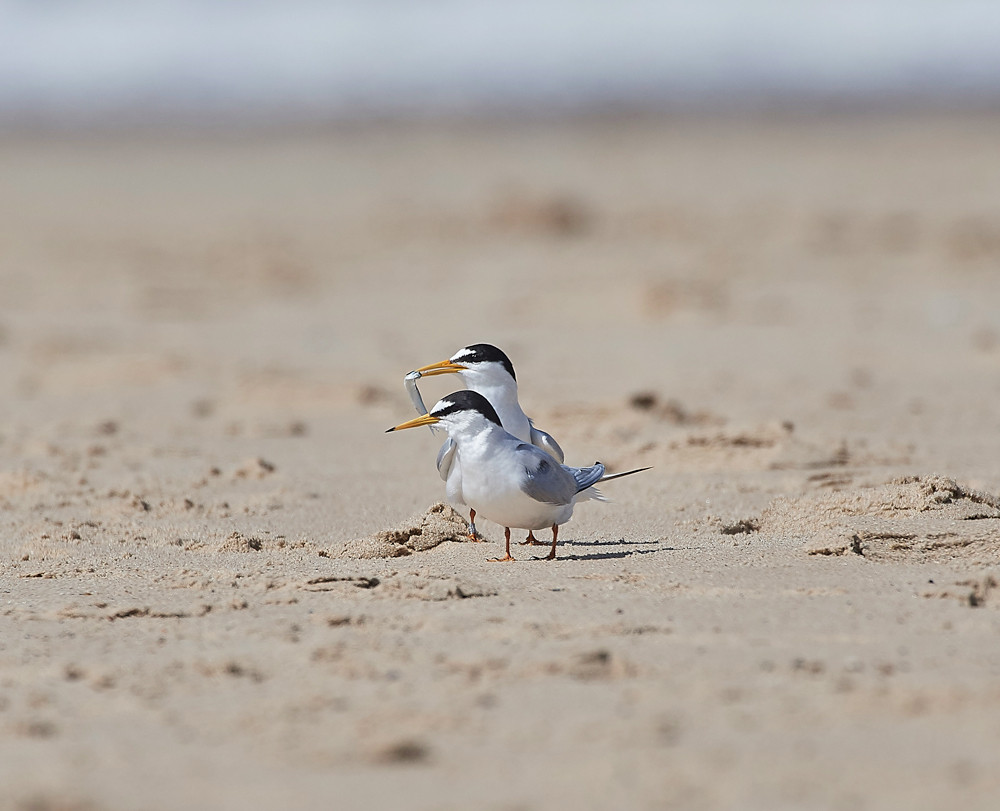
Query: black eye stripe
[
  {"x": 466, "y": 400},
  {"x": 485, "y": 353}
]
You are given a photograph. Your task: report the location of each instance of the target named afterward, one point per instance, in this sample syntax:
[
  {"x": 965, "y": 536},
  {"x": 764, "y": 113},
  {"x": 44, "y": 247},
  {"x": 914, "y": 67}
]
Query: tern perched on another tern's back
[
  {"x": 484, "y": 369},
  {"x": 511, "y": 482}
]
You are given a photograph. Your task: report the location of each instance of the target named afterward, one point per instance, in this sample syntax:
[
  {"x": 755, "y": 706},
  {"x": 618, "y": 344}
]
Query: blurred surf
[{"x": 76, "y": 59}]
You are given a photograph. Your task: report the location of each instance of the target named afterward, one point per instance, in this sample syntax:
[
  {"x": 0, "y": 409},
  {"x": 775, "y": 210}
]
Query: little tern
[
  {"x": 485, "y": 369},
  {"x": 512, "y": 483}
]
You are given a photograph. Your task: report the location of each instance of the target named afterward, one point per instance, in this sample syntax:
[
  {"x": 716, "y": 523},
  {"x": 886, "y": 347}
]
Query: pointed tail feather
[
  {"x": 592, "y": 493},
  {"x": 626, "y": 473}
]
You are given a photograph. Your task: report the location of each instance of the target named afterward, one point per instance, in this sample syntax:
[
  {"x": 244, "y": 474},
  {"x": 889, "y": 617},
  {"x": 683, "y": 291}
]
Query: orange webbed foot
[{"x": 531, "y": 540}]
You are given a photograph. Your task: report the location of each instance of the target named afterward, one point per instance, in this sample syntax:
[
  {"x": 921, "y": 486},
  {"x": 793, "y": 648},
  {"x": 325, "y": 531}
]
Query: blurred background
[
  {"x": 98, "y": 62},
  {"x": 773, "y": 210}
]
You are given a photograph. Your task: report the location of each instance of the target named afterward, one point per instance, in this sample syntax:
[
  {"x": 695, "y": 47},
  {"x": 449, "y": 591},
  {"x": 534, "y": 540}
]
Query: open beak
[
  {"x": 427, "y": 419},
  {"x": 445, "y": 367}
]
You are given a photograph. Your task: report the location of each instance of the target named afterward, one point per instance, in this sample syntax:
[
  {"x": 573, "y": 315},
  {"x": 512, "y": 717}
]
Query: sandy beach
[{"x": 794, "y": 320}]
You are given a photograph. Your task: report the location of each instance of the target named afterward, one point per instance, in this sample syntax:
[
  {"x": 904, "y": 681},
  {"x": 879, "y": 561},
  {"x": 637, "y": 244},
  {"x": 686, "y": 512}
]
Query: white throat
[{"x": 503, "y": 398}]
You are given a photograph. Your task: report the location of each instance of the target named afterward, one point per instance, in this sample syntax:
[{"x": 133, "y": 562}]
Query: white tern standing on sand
[
  {"x": 485, "y": 369},
  {"x": 511, "y": 482}
]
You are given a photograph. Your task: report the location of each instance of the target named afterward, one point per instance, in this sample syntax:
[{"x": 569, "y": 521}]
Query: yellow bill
[
  {"x": 445, "y": 367},
  {"x": 426, "y": 419}
]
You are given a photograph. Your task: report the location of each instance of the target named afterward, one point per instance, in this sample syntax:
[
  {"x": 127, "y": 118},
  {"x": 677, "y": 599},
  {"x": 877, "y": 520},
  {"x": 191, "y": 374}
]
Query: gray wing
[
  {"x": 586, "y": 476},
  {"x": 445, "y": 458},
  {"x": 546, "y": 443},
  {"x": 544, "y": 480}
]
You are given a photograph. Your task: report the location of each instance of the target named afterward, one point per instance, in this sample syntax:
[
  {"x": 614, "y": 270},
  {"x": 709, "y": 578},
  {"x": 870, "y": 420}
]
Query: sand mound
[
  {"x": 238, "y": 542},
  {"x": 913, "y": 518},
  {"x": 422, "y": 532}
]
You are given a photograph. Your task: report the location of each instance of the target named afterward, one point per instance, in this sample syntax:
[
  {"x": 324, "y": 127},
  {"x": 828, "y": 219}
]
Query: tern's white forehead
[
  {"x": 484, "y": 357},
  {"x": 464, "y": 405},
  {"x": 443, "y": 406}
]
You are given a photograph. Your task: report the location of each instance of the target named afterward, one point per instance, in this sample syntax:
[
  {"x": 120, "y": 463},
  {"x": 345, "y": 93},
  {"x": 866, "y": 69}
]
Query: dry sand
[{"x": 796, "y": 322}]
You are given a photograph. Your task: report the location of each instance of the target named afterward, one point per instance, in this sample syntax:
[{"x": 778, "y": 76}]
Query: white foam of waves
[{"x": 79, "y": 58}]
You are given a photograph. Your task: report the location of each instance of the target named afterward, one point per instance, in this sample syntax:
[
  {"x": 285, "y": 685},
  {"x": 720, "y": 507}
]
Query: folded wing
[
  {"x": 586, "y": 476},
  {"x": 544, "y": 479},
  {"x": 546, "y": 443},
  {"x": 446, "y": 456}
]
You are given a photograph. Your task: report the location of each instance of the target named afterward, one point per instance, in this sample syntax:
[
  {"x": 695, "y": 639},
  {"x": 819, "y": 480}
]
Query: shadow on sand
[{"x": 626, "y": 553}]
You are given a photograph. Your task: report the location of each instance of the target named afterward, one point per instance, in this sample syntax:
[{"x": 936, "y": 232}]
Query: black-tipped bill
[
  {"x": 427, "y": 419},
  {"x": 445, "y": 367}
]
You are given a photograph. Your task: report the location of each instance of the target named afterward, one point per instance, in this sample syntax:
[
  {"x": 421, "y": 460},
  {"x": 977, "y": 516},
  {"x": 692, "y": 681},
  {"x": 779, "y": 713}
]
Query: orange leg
[
  {"x": 555, "y": 537},
  {"x": 473, "y": 535},
  {"x": 506, "y": 534},
  {"x": 531, "y": 540}
]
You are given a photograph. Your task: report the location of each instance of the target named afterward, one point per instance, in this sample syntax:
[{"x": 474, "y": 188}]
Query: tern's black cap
[
  {"x": 484, "y": 353},
  {"x": 466, "y": 400}
]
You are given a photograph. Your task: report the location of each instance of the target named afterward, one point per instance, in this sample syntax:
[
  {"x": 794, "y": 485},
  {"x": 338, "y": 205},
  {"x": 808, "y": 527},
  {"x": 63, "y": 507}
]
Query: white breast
[{"x": 491, "y": 477}]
